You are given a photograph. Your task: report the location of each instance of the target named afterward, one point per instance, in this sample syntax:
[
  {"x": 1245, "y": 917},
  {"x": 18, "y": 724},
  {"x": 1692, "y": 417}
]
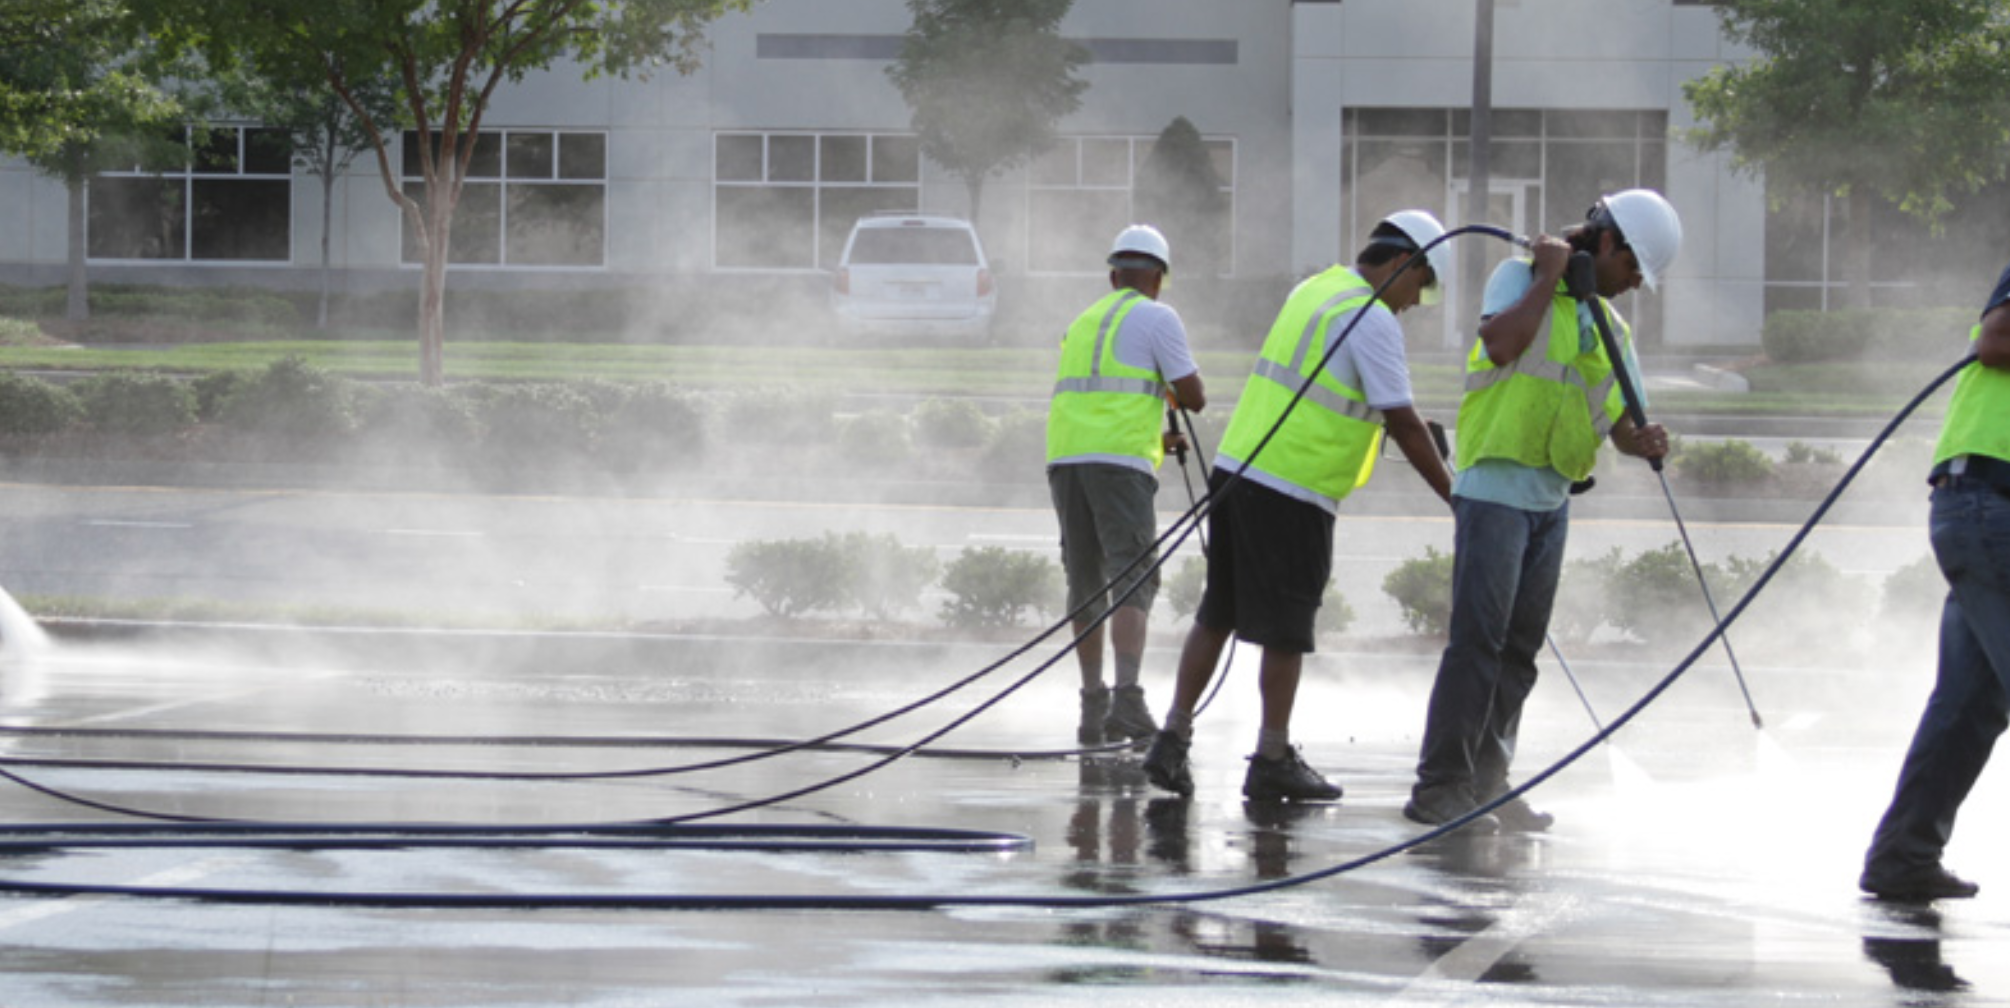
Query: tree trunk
[
  {"x": 77, "y": 307},
  {"x": 433, "y": 293},
  {"x": 1858, "y": 249},
  {"x": 327, "y": 222},
  {"x": 974, "y": 185}
]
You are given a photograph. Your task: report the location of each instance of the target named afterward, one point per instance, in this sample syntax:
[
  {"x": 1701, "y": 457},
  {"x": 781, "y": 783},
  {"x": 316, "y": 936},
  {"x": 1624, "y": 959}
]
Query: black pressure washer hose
[
  {"x": 923, "y": 901},
  {"x": 913, "y": 902}
]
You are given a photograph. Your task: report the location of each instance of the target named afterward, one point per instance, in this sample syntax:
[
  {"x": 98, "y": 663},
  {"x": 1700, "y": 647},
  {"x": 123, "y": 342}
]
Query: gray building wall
[{"x": 1275, "y": 78}]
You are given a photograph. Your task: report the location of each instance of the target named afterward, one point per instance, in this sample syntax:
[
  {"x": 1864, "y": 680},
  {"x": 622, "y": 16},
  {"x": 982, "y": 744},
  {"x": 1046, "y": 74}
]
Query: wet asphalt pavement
[{"x": 1695, "y": 861}]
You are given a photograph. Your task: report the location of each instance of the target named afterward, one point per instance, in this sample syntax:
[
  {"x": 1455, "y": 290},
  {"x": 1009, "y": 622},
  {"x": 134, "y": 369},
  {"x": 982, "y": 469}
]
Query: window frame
[
  {"x": 815, "y": 183},
  {"x": 187, "y": 175},
  {"x": 503, "y": 178}
]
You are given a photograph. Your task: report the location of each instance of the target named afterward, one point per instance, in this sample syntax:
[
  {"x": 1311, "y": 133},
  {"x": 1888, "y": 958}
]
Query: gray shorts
[{"x": 1107, "y": 522}]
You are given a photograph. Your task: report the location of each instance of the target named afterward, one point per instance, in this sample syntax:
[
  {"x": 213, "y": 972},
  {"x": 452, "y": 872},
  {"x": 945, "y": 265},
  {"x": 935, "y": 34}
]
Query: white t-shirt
[
  {"x": 1371, "y": 359},
  {"x": 1151, "y": 337}
]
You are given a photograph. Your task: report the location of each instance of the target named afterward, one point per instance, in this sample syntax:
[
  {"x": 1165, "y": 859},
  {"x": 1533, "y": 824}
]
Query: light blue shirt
[{"x": 1509, "y": 483}]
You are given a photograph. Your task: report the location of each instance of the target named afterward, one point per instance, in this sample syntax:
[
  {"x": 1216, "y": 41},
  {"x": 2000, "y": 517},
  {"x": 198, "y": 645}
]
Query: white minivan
[{"x": 914, "y": 274}]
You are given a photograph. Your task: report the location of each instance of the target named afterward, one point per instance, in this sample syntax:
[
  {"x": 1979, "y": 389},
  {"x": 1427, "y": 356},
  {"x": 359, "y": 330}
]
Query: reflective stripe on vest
[
  {"x": 1327, "y": 443},
  {"x": 1544, "y": 410},
  {"x": 1101, "y": 405},
  {"x": 1978, "y": 417}
]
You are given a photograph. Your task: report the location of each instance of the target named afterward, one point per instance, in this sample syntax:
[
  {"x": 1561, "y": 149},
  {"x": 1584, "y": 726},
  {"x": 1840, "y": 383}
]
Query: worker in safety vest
[
  {"x": 1270, "y": 546},
  {"x": 1122, "y": 362},
  {"x": 1970, "y": 531},
  {"x": 1540, "y": 400}
]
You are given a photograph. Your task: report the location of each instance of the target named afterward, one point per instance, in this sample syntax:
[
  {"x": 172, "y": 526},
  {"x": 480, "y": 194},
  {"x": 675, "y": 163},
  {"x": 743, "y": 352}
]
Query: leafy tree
[
  {"x": 1901, "y": 100},
  {"x": 77, "y": 98},
  {"x": 446, "y": 61},
  {"x": 986, "y": 81},
  {"x": 1179, "y": 192},
  {"x": 325, "y": 135}
]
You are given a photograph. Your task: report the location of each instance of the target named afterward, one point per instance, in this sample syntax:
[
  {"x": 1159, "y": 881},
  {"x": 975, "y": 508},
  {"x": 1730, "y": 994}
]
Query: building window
[
  {"x": 230, "y": 202},
  {"x": 531, "y": 198},
  {"x": 1545, "y": 169},
  {"x": 1083, "y": 190},
  {"x": 787, "y": 201}
]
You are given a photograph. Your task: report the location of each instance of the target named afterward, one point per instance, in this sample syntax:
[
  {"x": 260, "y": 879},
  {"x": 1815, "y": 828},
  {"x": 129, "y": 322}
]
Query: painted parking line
[{"x": 114, "y": 523}]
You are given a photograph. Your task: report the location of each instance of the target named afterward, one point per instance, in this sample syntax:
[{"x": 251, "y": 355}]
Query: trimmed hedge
[{"x": 1863, "y": 333}]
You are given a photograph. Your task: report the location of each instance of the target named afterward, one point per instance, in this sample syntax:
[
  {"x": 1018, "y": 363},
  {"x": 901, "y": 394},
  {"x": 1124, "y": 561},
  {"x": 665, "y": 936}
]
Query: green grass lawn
[{"x": 1848, "y": 389}]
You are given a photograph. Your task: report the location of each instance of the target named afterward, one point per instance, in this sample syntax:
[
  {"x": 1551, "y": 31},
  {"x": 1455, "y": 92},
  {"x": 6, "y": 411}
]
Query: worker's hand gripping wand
[{"x": 1580, "y": 280}]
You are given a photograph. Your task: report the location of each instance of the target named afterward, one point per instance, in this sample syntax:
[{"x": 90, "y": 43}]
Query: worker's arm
[
  {"x": 1189, "y": 393},
  {"x": 1507, "y": 334},
  {"x": 1411, "y": 435},
  {"x": 1993, "y": 349}
]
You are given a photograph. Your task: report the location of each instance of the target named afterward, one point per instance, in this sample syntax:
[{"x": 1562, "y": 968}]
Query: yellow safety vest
[
  {"x": 1553, "y": 406},
  {"x": 1978, "y": 417},
  {"x": 1328, "y": 442},
  {"x": 1103, "y": 406}
]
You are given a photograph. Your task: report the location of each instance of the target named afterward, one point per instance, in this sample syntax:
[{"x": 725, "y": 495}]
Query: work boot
[
  {"x": 1436, "y": 806},
  {"x": 1095, "y": 708},
  {"x": 1921, "y": 885},
  {"x": 1286, "y": 778},
  {"x": 1128, "y": 718},
  {"x": 1518, "y": 816},
  {"x": 1166, "y": 766}
]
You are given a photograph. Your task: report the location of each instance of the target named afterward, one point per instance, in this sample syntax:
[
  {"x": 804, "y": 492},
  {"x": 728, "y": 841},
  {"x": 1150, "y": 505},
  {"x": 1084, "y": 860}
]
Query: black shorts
[{"x": 1269, "y": 558}]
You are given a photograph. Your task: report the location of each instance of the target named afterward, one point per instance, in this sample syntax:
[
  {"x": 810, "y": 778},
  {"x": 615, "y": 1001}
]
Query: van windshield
[{"x": 925, "y": 246}]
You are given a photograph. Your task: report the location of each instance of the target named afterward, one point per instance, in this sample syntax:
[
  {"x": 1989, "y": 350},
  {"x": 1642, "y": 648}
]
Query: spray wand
[{"x": 1580, "y": 280}]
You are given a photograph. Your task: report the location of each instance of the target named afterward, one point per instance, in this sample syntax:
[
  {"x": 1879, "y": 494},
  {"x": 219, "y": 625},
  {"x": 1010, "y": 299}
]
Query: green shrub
[
  {"x": 125, "y": 402},
  {"x": 33, "y": 406},
  {"x": 1422, "y": 588},
  {"x": 951, "y": 423},
  {"x": 415, "y": 423},
  {"x": 874, "y": 438},
  {"x": 993, "y": 587},
  {"x": 1724, "y": 462},
  {"x": 19, "y": 332},
  {"x": 214, "y": 389},
  {"x": 541, "y": 425},
  {"x": 1018, "y": 443},
  {"x": 790, "y": 577},
  {"x": 651, "y": 425},
  {"x": 1335, "y": 615},
  {"x": 1656, "y": 599},
  {"x": 1915, "y": 591},
  {"x": 1584, "y": 595},
  {"x": 1800, "y": 453},
  {"x": 780, "y": 415},
  {"x": 884, "y": 578},
  {"x": 872, "y": 574},
  {"x": 292, "y": 402},
  {"x": 1861, "y": 333},
  {"x": 1182, "y": 589},
  {"x": 1809, "y": 601}
]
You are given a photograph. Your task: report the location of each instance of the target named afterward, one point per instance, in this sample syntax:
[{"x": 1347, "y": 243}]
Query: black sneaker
[
  {"x": 1166, "y": 766},
  {"x": 1286, "y": 778},
  {"x": 1095, "y": 707},
  {"x": 1437, "y": 806},
  {"x": 1128, "y": 717},
  {"x": 1922, "y": 885}
]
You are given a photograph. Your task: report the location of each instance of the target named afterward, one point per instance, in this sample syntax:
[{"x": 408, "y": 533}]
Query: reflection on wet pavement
[{"x": 1713, "y": 871}]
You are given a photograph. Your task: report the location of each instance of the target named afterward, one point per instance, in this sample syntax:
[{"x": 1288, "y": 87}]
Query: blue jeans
[
  {"x": 1504, "y": 575},
  {"x": 1970, "y": 705}
]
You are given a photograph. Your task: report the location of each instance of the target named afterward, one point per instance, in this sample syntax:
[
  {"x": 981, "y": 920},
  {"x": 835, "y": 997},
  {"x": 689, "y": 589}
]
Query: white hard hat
[
  {"x": 1650, "y": 227},
  {"x": 1423, "y": 229},
  {"x": 1141, "y": 240}
]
